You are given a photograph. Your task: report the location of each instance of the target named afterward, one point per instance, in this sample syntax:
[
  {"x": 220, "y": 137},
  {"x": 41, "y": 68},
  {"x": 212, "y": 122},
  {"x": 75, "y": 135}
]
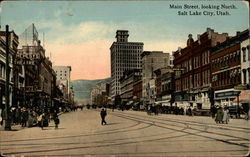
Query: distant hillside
[{"x": 82, "y": 88}]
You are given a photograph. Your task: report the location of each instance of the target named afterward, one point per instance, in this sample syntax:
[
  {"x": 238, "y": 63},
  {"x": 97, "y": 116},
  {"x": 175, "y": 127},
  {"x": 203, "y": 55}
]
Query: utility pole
[{"x": 7, "y": 91}]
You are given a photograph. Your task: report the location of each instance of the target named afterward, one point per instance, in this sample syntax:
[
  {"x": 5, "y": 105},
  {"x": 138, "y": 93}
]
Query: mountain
[{"x": 82, "y": 88}]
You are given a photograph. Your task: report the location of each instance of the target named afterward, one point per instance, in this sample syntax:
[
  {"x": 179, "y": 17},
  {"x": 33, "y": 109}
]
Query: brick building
[
  {"x": 127, "y": 82},
  {"x": 226, "y": 69},
  {"x": 164, "y": 86},
  {"x": 192, "y": 84},
  {"x": 40, "y": 78}
]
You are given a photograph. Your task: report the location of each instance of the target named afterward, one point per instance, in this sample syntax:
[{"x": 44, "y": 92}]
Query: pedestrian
[
  {"x": 24, "y": 118},
  {"x": 103, "y": 115},
  {"x": 18, "y": 115},
  {"x": 41, "y": 120},
  {"x": 219, "y": 115},
  {"x": 189, "y": 111},
  {"x": 14, "y": 110},
  {"x": 30, "y": 118},
  {"x": 225, "y": 115},
  {"x": 213, "y": 111},
  {"x": 56, "y": 120},
  {"x": 2, "y": 116}
]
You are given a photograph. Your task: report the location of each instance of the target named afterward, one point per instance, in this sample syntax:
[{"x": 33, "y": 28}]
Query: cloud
[{"x": 85, "y": 46}]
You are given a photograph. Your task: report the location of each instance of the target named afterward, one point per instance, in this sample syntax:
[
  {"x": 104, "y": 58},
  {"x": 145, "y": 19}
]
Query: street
[{"x": 129, "y": 133}]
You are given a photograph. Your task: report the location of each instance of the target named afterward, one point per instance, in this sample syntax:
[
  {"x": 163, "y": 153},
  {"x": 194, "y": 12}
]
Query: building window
[
  {"x": 238, "y": 55},
  {"x": 244, "y": 54},
  {"x": 231, "y": 56},
  {"x": 248, "y": 75},
  {"x": 248, "y": 49},
  {"x": 235, "y": 57},
  {"x": 190, "y": 64},
  {"x": 244, "y": 76}
]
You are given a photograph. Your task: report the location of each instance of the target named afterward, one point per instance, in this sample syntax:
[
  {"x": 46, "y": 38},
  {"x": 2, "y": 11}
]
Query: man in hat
[{"x": 103, "y": 115}]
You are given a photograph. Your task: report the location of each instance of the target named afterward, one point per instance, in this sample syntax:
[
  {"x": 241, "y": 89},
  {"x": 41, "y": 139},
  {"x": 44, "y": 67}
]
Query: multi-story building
[
  {"x": 39, "y": 77},
  {"x": 245, "y": 60},
  {"x": 100, "y": 95},
  {"x": 226, "y": 69},
  {"x": 127, "y": 82},
  {"x": 63, "y": 76},
  {"x": 151, "y": 61},
  {"x": 164, "y": 86},
  {"x": 13, "y": 44},
  {"x": 93, "y": 95},
  {"x": 192, "y": 74},
  {"x": 124, "y": 56},
  {"x": 137, "y": 89}
]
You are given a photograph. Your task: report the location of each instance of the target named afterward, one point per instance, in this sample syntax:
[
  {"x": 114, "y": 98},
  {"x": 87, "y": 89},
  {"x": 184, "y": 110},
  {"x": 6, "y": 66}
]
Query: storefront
[{"x": 226, "y": 97}]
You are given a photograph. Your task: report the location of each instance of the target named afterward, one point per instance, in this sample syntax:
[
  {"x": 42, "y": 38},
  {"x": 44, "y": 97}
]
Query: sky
[{"x": 80, "y": 33}]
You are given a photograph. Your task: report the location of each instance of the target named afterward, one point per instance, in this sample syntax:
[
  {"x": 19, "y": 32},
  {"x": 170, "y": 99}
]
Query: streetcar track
[
  {"x": 165, "y": 122},
  {"x": 221, "y": 140},
  {"x": 92, "y": 142},
  {"x": 198, "y": 123},
  {"x": 137, "y": 123},
  {"x": 185, "y": 133},
  {"x": 205, "y": 126},
  {"x": 94, "y": 134},
  {"x": 153, "y": 153},
  {"x": 96, "y": 146}
]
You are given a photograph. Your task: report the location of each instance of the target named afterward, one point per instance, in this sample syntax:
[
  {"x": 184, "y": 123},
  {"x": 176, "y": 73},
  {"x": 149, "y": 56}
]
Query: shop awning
[
  {"x": 225, "y": 97},
  {"x": 166, "y": 104},
  {"x": 244, "y": 97},
  {"x": 129, "y": 103},
  {"x": 163, "y": 101},
  {"x": 136, "y": 103}
]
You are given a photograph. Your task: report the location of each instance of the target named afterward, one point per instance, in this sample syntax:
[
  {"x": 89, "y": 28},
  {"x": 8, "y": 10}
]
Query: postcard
[{"x": 124, "y": 78}]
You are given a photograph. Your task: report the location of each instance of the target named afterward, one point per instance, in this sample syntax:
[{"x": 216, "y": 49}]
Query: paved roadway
[{"x": 129, "y": 133}]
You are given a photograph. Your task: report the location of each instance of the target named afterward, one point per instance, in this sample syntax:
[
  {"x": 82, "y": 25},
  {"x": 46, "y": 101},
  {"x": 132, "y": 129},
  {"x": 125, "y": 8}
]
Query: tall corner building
[
  {"x": 124, "y": 56},
  {"x": 63, "y": 75}
]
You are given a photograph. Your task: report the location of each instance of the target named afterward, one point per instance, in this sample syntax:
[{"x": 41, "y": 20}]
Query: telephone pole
[{"x": 7, "y": 91}]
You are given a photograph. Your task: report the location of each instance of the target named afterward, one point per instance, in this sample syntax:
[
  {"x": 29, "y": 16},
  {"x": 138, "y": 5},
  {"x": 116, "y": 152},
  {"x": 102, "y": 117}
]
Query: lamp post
[{"x": 7, "y": 91}]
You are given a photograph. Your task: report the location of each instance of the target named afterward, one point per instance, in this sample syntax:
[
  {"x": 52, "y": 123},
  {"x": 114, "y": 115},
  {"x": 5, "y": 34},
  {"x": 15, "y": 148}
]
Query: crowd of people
[
  {"x": 27, "y": 117},
  {"x": 169, "y": 110}
]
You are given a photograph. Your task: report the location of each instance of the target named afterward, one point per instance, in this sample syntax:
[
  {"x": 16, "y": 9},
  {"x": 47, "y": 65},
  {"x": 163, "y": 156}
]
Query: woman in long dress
[
  {"x": 219, "y": 115},
  {"x": 225, "y": 115}
]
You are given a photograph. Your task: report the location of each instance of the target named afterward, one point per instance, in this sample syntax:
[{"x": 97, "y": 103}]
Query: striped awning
[{"x": 244, "y": 97}]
